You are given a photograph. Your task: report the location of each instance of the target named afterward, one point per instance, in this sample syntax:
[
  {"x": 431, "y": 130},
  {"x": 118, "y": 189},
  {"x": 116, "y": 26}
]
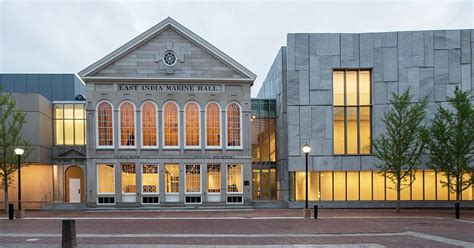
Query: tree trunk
[
  {"x": 5, "y": 190},
  {"x": 398, "y": 196},
  {"x": 458, "y": 189}
]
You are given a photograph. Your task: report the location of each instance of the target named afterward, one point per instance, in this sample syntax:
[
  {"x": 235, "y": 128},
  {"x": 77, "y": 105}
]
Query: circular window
[{"x": 169, "y": 58}]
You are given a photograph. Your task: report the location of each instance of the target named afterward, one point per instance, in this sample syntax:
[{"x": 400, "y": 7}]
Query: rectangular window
[
  {"x": 172, "y": 178},
  {"x": 326, "y": 186},
  {"x": 339, "y": 185},
  {"x": 150, "y": 179},
  {"x": 105, "y": 179},
  {"x": 378, "y": 186},
  {"x": 365, "y": 185},
  {"x": 193, "y": 178},
  {"x": 352, "y": 185},
  {"x": 234, "y": 178},
  {"x": 352, "y": 111},
  {"x": 417, "y": 186},
  {"x": 129, "y": 179},
  {"x": 69, "y": 124},
  {"x": 441, "y": 186},
  {"x": 430, "y": 185},
  {"x": 213, "y": 178},
  {"x": 313, "y": 186}
]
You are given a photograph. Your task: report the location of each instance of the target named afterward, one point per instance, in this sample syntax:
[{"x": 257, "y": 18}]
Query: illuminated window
[
  {"x": 352, "y": 112},
  {"x": 353, "y": 185},
  {"x": 129, "y": 180},
  {"x": 326, "y": 185},
  {"x": 105, "y": 133},
  {"x": 150, "y": 179},
  {"x": 213, "y": 178},
  {"x": 69, "y": 124},
  {"x": 105, "y": 179},
  {"x": 213, "y": 125},
  {"x": 430, "y": 185},
  {"x": 339, "y": 185},
  {"x": 417, "y": 186},
  {"x": 233, "y": 125},
  {"x": 193, "y": 178},
  {"x": 378, "y": 179},
  {"x": 149, "y": 136},
  {"x": 172, "y": 178},
  {"x": 313, "y": 186},
  {"x": 366, "y": 185},
  {"x": 234, "y": 178},
  {"x": 192, "y": 124},
  {"x": 127, "y": 124},
  {"x": 171, "y": 124}
]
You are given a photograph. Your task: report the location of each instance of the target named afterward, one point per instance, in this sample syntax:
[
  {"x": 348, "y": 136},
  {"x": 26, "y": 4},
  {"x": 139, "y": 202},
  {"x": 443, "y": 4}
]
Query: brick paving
[{"x": 248, "y": 226}]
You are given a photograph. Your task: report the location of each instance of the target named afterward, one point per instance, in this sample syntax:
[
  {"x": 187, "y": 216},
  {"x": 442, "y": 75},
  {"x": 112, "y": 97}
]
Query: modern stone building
[
  {"x": 332, "y": 90},
  {"x": 167, "y": 120}
]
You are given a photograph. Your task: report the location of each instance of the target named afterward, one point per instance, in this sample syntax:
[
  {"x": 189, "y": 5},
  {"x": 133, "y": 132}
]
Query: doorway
[
  {"x": 264, "y": 184},
  {"x": 74, "y": 184}
]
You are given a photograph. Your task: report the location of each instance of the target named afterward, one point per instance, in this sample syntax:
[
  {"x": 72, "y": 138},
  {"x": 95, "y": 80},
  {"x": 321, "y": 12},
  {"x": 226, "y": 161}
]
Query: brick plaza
[{"x": 275, "y": 227}]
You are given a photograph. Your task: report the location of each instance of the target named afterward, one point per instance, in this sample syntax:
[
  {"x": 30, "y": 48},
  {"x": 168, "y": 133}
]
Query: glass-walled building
[{"x": 263, "y": 137}]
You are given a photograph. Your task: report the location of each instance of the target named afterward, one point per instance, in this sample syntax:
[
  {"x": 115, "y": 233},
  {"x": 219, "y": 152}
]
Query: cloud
[{"x": 55, "y": 36}]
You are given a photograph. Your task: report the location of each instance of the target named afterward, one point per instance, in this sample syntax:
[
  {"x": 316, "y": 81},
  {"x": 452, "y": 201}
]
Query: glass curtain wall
[
  {"x": 69, "y": 124},
  {"x": 263, "y": 128},
  {"x": 370, "y": 186}
]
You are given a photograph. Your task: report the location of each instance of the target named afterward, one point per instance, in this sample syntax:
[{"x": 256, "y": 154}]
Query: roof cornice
[
  {"x": 155, "y": 79},
  {"x": 152, "y": 32}
]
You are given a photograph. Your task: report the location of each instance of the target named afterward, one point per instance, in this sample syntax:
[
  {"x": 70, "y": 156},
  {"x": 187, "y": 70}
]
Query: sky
[{"x": 67, "y": 36}]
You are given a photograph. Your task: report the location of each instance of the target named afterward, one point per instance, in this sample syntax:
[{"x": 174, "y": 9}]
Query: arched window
[
  {"x": 171, "y": 124},
  {"x": 149, "y": 125},
  {"x": 233, "y": 125},
  {"x": 191, "y": 111},
  {"x": 127, "y": 124},
  {"x": 213, "y": 125},
  {"x": 105, "y": 128}
]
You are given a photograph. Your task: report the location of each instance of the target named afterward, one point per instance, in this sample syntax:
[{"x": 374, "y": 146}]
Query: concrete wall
[
  {"x": 54, "y": 87},
  {"x": 275, "y": 86},
  {"x": 38, "y": 129},
  {"x": 431, "y": 63}
]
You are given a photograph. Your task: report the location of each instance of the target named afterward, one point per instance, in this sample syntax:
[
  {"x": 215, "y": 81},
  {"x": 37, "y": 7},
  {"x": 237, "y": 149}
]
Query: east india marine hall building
[{"x": 167, "y": 120}]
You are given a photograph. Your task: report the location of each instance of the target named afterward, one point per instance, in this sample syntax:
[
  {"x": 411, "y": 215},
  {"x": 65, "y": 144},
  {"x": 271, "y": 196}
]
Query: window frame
[
  {"x": 178, "y": 127},
  {"x": 220, "y": 179},
  {"x": 157, "y": 179},
  {"x": 156, "y": 126},
  {"x": 200, "y": 180},
  {"x": 121, "y": 179},
  {"x": 199, "y": 125},
  {"x": 240, "y": 147},
  {"x": 74, "y": 119},
  {"x": 220, "y": 127},
  {"x": 179, "y": 179},
  {"x": 97, "y": 180},
  {"x": 97, "y": 125},
  {"x": 134, "y": 125},
  {"x": 358, "y": 106},
  {"x": 227, "y": 180}
]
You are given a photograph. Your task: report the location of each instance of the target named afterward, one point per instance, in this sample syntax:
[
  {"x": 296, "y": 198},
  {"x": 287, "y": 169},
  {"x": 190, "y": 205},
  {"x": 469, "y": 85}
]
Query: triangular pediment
[
  {"x": 143, "y": 57},
  {"x": 70, "y": 153}
]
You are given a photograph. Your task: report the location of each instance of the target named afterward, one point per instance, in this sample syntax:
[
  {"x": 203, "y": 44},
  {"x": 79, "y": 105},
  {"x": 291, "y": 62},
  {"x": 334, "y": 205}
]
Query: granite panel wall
[{"x": 431, "y": 63}]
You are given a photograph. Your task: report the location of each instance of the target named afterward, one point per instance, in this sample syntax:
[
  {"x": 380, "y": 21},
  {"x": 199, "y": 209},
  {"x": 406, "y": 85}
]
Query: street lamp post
[
  {"x": 306, "y": 150},
  {"x": 19, "y": 152}
]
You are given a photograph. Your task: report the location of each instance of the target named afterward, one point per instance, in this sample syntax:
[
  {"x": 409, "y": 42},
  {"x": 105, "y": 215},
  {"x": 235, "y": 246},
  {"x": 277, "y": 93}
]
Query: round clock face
[{"x": 169, "y": 58}]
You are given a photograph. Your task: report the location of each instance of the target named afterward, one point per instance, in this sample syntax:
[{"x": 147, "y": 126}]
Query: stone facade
[
  {"x": 198, "y": 64},
  {"x": 431, "y": 63}
]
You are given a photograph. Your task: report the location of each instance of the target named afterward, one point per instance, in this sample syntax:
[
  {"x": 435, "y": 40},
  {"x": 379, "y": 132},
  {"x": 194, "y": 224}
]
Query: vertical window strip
[
  {"x": 233, "y": 125},
  {"x": 104, "y": 122},
  {"x": 213, "y": 122},
  {"x": 192, "y": 124},
  {"x": 149, "y": 136},
  {"x": 127, "y": 124},
  {"x": 171, "y": 124}
]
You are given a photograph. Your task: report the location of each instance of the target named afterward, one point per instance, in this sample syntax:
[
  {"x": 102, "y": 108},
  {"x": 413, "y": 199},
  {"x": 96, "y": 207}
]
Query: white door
[{"x": 74, "y": 190}]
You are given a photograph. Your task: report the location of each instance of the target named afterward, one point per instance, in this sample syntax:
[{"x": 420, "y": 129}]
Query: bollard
[
  {"x": 69, "y": 234},
  {"x": 11, "y": 212},
  {"x": 315, "y": 211},
  {"x": 456, "y": 206}
]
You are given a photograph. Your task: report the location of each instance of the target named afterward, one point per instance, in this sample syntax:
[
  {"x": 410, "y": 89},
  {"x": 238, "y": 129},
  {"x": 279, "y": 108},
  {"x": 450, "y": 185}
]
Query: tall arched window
[
  {"x": 213, "y": 125},
  {"x": 149, "y": 125},
  {"x": 171, "y": 124},
  {"x": 191, "y": 111},
  {"x": 233, "y": 125},
  {"x": 105, "y": 126},
  {"x": 127, "y": 124}
]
